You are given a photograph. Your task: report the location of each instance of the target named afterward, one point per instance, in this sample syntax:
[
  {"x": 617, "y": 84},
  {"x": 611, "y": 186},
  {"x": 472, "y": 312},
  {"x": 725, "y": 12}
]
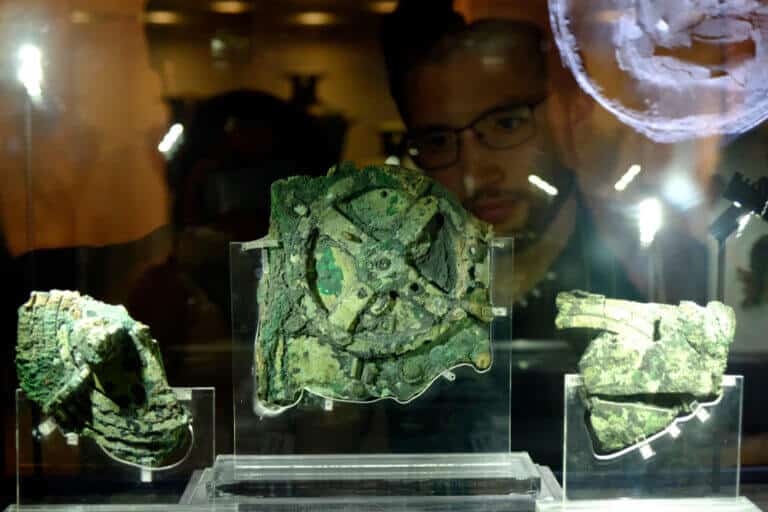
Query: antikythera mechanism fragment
[
  {"x": 650, "y": 363},
  {"x": 99, "y": 373},
  {"x": 375, "y": 283}
]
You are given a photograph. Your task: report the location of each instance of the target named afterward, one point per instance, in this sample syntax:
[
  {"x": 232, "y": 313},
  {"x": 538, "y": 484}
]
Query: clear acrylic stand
[
  {"x": 454, "y": 439},
  {"x": 698, "y": 455},
  {"x": 55, "y": 467}
]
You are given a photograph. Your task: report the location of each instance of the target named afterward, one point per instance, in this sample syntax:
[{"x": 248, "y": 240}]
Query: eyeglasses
[{"x": 438, "y": 147}]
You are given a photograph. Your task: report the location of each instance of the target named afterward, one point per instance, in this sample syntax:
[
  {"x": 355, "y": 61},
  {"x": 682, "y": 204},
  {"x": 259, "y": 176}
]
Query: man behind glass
[{"x": 488, "y": 116}]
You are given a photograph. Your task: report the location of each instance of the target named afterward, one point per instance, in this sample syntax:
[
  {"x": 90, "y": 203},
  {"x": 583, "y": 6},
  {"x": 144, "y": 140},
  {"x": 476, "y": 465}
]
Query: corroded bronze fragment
[
  {"x": 99, "y": 373},
  {"x": 375, "y": 283},
  {"x": 649, "y": 364}
]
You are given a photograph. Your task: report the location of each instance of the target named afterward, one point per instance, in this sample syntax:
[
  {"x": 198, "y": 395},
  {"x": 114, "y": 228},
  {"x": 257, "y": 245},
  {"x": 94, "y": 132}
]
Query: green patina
[
  {"x": 648, "y": 364},
  {"x": 355, "y": 304},
  {"x": 329, "y": 275},
  {"x": 99, "y": 374}
]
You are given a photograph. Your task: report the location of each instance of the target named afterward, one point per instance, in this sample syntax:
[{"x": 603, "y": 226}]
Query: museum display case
[{"x": 476, "y": 255}]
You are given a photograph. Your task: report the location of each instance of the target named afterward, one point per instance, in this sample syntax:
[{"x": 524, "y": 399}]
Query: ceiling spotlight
[
  {"x": 80, "y": 17},
  {"x": 315, "y": 18},
  {"x": 383, "y": 6},
  {"x": 162, "y": 17},
  {"x": 231, "y": 7}
]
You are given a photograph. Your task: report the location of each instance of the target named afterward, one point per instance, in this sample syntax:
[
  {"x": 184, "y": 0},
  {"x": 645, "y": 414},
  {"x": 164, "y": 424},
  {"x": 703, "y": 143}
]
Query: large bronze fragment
[
  {"x": 375, "y": 283},
  {"x": 649, "y": 364},
  {"x": 99, "y": 374}
]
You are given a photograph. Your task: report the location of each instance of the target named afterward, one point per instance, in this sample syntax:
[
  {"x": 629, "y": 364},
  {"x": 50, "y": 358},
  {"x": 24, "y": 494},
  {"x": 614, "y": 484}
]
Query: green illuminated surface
[
  {"x": 649, "y": 363},
  {"x": 378, "y": 285},
  {"x": 99, "y": 374}
]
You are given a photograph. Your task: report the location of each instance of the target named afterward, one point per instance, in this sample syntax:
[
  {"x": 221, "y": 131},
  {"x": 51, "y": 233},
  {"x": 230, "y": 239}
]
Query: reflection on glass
[
  {"x": 649, "y": 220},
  {"x": 627, "y": 178},
  {"x": 30, "y": 72}
]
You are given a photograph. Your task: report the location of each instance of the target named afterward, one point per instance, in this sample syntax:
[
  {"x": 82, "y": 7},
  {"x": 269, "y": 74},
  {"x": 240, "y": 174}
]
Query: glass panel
[
  {"x": 63, "y": 468},
  {"x": 613, "y": 140},
  {"x": 698, "y": 455},
  {"x": 245, "y": 478}
]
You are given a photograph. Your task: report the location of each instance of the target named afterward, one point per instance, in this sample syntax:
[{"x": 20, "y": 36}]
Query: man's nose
[{"x": 479, "y": 168}]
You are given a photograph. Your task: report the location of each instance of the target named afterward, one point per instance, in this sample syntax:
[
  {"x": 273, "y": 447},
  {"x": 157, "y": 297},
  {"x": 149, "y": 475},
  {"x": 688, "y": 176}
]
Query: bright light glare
[
  {"x": 743, "y": 223},
  {"x": 162, "y": 17},
  {"x": 171, "y": 139},
  {"x": 384, "y": 6},
  {"x": 315, "y": 18},
  {"x": 30, "y": 72},
  {"x": 80, "y": 17},
  {"x": 681, "y": 191},
  {"x": 649, "y": 220},
  {"x": 392, "y": 160},
  {"x": 543, "y": 185},
  {"x": 630, "y": 175},
  {"x": 230, "y": 7}
]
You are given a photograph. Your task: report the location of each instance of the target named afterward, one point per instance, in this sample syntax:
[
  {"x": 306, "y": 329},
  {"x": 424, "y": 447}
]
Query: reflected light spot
[
  {"x": 392, "y": 160},
  {"x": 649, "y": 220},
  {"x": 662, "y": 26},
  {"x": 383, "y": 7},
  {"x": 743, "y": 223},
  {"x": 630, "y": 175},
  {"x": 231, "y": 7},
  {"x": 30, "y": 72},
  {"x": 681, "y": 191},
  {"x": 162, "y": 17},
  {"x": 315, "y": 18},
  {"x": 171, "y": 139},
  {"x": 80, "y": 17},
  {"x": 494, "y": 61},
  {"x": 541, "y": 184}
]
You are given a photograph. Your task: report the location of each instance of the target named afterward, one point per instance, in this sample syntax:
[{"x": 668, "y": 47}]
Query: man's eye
[
  {"x": 435, "y": 140},
  {"x": 508, "y": 122}
]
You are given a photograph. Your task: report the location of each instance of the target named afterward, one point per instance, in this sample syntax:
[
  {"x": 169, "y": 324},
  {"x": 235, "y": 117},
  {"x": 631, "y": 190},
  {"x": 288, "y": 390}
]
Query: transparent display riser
[
  {"x": 462, "y": 411},
  {"x": 54, "y": 467},
  {"x": 697, "y": 456},
  {"x": 504, "y": 481},
  {"x": 669, "y": 505}
]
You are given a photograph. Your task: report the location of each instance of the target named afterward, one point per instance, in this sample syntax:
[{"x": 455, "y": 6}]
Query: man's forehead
[{"x": 456, "y": 90}]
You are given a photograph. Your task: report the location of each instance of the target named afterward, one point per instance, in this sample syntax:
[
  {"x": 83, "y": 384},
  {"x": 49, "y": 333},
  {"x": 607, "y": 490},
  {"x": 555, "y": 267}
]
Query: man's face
[{"x": 492, "y": 183}]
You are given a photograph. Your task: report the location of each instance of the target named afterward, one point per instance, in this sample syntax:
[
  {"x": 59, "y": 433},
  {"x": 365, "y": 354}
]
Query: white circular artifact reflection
[{"x": 671, "y": 69}]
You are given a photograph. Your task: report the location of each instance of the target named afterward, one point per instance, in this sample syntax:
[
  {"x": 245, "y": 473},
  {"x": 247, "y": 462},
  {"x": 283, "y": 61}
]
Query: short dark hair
[{"x": 424, "y": 31}]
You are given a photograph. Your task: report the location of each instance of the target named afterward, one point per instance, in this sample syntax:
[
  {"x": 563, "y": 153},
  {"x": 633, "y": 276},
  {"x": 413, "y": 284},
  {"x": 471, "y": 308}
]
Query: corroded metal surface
[
  {"x": 376, "y": 282},
  {"x": 649, "y": 364},
  {"x": 99, "y": 373}
]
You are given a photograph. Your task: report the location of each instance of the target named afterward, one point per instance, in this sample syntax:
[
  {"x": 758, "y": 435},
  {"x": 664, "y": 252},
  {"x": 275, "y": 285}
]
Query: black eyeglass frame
[{"x": 410, "y": 136}]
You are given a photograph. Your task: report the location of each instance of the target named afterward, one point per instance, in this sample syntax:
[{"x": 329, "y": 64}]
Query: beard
[{"x": 524, "y": 212}]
